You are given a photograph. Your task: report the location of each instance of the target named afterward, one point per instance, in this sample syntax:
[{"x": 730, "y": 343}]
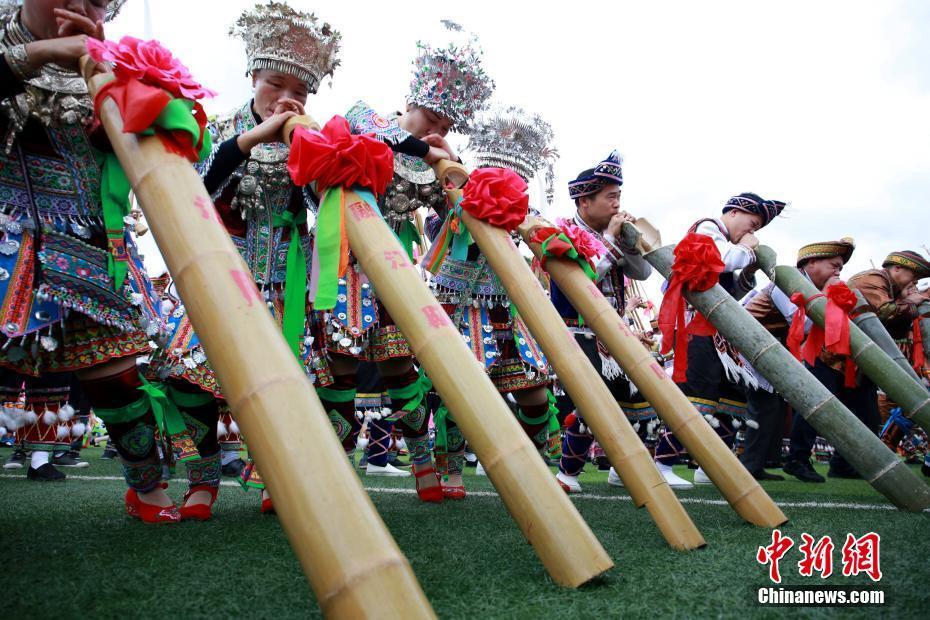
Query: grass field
[{"x": 71, "y": 552}]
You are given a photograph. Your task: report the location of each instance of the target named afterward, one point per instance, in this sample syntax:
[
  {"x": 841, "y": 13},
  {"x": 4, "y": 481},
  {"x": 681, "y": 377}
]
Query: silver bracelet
[{"x": 18, "y": 60}]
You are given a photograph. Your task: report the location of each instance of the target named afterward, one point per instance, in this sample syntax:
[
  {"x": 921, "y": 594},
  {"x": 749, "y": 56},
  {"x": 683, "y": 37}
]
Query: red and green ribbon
[
  {"x": 556, "y": 243},
  {"x": 145, "y": 111}
]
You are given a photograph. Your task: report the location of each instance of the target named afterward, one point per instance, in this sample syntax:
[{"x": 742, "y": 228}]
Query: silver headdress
[
  {"x": 281, "y": 39},
  {"x": 510, "y": 137},
  {"x": 450, "y": 80}
]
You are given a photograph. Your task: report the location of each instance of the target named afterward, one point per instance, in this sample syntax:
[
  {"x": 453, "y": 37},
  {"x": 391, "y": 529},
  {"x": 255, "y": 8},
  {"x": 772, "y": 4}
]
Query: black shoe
[
  {"x": 16, "y": 460},
  {"x": 69, "y": 459},
  {"x": 46, "y": 473},
  {"x": 108, "y": 454},
  {"x": 764, "y": 475},
  {"x": 803, "y": 471},
  {"x": 925, "y": 470},
  {"x": 233, "y": 468},
  {"x": 849, "y": 474}
]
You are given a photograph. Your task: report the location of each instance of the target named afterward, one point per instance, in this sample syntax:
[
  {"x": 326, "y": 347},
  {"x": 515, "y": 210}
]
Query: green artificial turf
[{"x": 71, "y": 552}]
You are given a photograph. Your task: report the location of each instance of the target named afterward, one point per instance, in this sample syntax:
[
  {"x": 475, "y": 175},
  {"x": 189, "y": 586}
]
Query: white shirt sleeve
[{"x": 735, "y": 257}]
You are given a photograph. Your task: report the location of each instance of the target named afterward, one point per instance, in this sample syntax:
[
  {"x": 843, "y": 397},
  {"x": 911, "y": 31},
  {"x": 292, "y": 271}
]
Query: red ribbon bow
[
  {"x": 697, "y": 267},
  {"x": 834, "y": 336},
  {"x": 334, "y": 157},
  {"x": 496, "y": 196},
  {"x": 917, "y": 355}
]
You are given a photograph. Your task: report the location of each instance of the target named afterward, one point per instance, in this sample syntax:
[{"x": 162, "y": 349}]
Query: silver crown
[
  {"x": 450, "y": 80},
  {"x": 510, "y": 137},
  {"x": 281, "y": 39}
]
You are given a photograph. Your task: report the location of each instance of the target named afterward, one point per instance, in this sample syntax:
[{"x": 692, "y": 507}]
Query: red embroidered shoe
[
  {"x": 453, "y": 492},
  {"x": 267, "y": 506},
  {"x": 429, "y": 494},
  {"x": 150, "y": 513},
  {"x": 200, "y": 512},
  {"x": 132, "y": 500}
]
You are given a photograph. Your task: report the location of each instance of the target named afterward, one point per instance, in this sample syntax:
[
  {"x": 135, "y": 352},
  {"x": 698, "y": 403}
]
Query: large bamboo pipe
[
  {"x": 809, "y": 398},
  {"x": 872, "y": 326},
  {"x": 549, "y": 521},
  {"x": 354, "y": 566},
  {"x": 600, "y": 410},
  {"x": 900, "y": 387},
  {"x": 736, "y": 484}
]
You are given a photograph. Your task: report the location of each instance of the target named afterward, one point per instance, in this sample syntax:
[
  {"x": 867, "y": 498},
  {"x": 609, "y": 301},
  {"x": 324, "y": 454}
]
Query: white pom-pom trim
[
  {"x": 737, "y": 423},
  {"x": 752, "y": 424},
  {"x": 63, "y": 432},
  {"x": 78, "y": 429},
  {"x": 65, "y": 412},
  {"x": 31, "y": 416},
  {"x": 49, "y": 418},
  {"x": 221, "y": 429},
  {"x": 714, "y": 422},
  {"x": 233, "y": 428}
]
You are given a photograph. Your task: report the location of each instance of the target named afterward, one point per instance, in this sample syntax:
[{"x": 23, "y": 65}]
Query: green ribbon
[
  {"x": 413, "y": 393},
  {"x": 153, "y": 399},
  {"x": 189, "y": 400},
  {"x": 295, "y": 280},
  {"x": 114, "y": 185},
  {"x": 441, "y": 424},
  {"x": 570, "y": 254},
  {"x": 336, "y": 396},
  {"x": 327, "y": 246},
  {"x": 409, "y": 236}
]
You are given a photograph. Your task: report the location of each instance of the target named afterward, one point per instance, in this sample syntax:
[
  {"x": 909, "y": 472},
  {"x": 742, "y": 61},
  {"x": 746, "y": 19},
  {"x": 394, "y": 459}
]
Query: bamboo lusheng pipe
[
  {"x": 872, "y": 326},
  {"x": 550, "y": 522},
  {"x": 910, "y": 395},
  {"x": 354, "y": 566},
  {"x": 736, "y": 484},
  {"x": 858, "y": 445},
  {"x": 600, "y": 410}
]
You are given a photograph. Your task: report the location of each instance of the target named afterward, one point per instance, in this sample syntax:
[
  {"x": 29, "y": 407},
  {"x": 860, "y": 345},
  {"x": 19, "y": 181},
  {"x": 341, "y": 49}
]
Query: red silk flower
[
  {"x": 587, "y": 244},
  {"x": 697, "y": 267},
  {"x": 150, "y": 63},
  {"x": 496, "y": 196},
  {"x": 334, "y": 157}
]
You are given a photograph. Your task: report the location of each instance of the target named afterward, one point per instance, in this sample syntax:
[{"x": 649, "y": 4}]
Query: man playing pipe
[
  {"x": 821, "y": 263},
  {"x": 596, "y": 192},
  {"x": 893, "y": 296}
]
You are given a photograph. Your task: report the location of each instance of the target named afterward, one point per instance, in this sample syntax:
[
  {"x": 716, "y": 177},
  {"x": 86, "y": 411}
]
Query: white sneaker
[
  {"x": 387, "y": 470},
  {"x": 479, "y": 470},
  {"x": 701, "y": 478},
  {"x": 613, "y": 479},
  {"x": 675, "y": 481},
  {"x": 568, "y": 483}
]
